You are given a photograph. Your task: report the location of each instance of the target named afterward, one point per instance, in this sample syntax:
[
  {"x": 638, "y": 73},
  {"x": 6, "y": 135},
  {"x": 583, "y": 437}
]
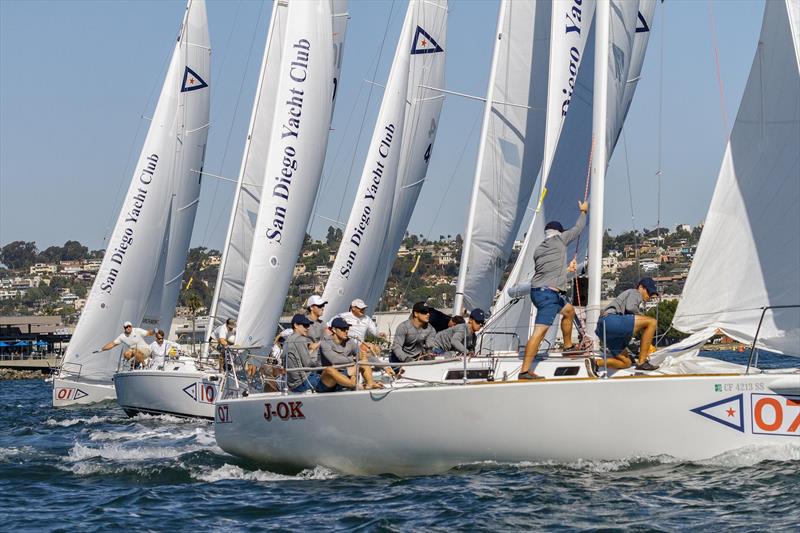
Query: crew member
[
  {"x": 459, "y": 338},
  {"x": 224, "y": 336},
  {"x": 315, "y": 305},
  {"x": 548, "y": 286},
  {"x": 411, "y": 336},
  {"x": 622, "y": 319},
  {"x": 160, "y": 349},
  {"x": 136, "y": 347},
  {"x": 297, "y": 355},
  {"x": 339, "y": 349}
]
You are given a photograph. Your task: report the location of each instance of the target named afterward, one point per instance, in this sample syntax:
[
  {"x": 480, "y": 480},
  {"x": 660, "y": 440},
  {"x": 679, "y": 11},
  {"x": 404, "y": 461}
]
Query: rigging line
[
  {"x": 630, "y": 203},
  {"x": 238, "y": 101},
  {"x": 126, "y": 169},
  {"x": 659, "y": 172},
  {"x": 364, "y": 116},
  {"x": 719, "y": 75},
  {"x": 222, "y": 63}
]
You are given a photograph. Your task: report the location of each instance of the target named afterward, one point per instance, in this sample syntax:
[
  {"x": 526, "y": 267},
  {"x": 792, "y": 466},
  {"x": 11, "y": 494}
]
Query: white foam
[
  {"x": 118, "y": 452},
  {"x": 228, "y": 471},
  {"x": 751, "y": 455},
  {"x": 52, "y": 422}
]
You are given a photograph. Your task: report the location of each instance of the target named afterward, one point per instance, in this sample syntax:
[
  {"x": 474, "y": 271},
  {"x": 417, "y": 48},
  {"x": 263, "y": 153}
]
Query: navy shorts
[
  {"x": 313, "y": 381},
  {"x": 618, "y": 332},
  {"x": 548, "y": 304}
]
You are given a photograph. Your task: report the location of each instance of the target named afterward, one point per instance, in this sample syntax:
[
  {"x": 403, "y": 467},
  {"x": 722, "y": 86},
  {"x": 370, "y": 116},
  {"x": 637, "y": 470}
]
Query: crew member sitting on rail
[
  {"x": 135, "y": 346},
  {"x": 297, "y": 355},
  {"x": 339, "y": 349},
  {"x": 547, "y": 286},
  {"x": 411, "y": 336},
  {"x": 315, "y": 306},
  {"x": 224, "y": 336},
  {"x": 622, "y": 319},
  {"x": 455, "y": 320},
  {"x": 160, "y": 349},
  {"x": 459, "y": 338}
]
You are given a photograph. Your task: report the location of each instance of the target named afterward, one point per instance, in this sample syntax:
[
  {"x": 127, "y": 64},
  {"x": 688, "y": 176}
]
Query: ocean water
[{"x": 94, "y": 469}]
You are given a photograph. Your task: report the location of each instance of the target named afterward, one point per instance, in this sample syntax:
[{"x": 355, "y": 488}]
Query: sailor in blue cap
[{"x": 459, "y": 338}]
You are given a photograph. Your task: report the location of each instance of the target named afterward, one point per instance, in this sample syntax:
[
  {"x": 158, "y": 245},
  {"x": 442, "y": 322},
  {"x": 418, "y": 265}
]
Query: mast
[
  {"x": 599, "y": 161},
  {"x": 458, "y": 301}
]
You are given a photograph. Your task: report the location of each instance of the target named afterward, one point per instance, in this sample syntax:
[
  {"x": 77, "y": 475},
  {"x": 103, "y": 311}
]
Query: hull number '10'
[{"x": 283, "y": 410}]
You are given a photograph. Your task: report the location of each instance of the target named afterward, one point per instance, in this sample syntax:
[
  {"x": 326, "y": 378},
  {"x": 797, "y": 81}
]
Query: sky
[{"x": 79, "y": 79}]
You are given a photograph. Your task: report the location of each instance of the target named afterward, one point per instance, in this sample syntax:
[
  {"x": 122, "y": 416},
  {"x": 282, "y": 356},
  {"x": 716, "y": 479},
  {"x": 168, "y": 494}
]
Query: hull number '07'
[
  {"x": 283, "y": 410},
  {"x": 776, "y": 415}
]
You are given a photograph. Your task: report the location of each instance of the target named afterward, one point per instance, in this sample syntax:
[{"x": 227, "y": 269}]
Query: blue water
[{"x": 94, "y": 469}]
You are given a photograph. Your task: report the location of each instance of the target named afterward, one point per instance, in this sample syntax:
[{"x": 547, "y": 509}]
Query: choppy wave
[{"x": 229, "y": 471}]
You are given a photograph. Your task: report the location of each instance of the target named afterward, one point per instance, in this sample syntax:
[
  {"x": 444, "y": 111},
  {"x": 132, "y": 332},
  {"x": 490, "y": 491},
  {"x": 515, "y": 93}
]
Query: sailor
[
  {"x": 548, "y": 286},
  {"x": 455, "y": 320},
  {"x": 340, "y": 349},
  {"x": 622, "y": 319},
  {"x": 135, "y": 346},
  {"x": 459, "y": 338},
  {"x": 297, "y": 355},
  {"x": 160, "y": 349},
  {"x": 360, "y": 323},
  {"x": 224, "y": 336},
  {"x": 315, "y": 305},
  {"x": 411, "y": 336}
]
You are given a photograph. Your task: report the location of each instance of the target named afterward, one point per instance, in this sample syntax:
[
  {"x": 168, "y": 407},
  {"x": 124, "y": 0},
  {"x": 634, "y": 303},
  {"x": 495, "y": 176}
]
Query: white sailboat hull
[
  {"x": 68, "y": 392},
  {"x": 179, "y": 389},
  {"x": 409, "y": 431}
]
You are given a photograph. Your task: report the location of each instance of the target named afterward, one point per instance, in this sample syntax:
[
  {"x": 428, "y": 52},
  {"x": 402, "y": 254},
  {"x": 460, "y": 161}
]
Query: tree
[
  {"x": 333, "y": 238},
  {"x": 18, "y": 254},
  {"x": 666, "y": 312}
]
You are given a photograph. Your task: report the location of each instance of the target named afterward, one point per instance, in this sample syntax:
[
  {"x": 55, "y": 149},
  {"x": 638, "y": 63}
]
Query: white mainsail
[
  {"x": 296, "y": 152},
  {"x": 748, "y": 257},
  {"x": 565, "y": 181},
  {"x": 510, "y": 151},
  {"x": 238, "y": 246},
  {"x": 396, "y": 161},
  {"x": 131, "y": 263}
]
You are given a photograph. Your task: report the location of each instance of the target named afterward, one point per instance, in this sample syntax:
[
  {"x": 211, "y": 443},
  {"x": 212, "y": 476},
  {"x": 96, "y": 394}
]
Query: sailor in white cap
[
  {"x": 135, "y": 346},
  {"x": 315, "y": 305}
]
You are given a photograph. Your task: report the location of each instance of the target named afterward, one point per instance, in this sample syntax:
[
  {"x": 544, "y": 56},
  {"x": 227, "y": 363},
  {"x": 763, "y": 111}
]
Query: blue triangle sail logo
[
  {"x": 728, "y": 412},
  {"x": 424, "y": 43},
  {"x": 191, "y": 81},
  {"x": 644, "y": 28},
  {"x": 191, "y": 390}
]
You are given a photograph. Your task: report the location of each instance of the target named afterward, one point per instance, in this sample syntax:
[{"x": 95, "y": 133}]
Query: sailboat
[
  {"x": 188, "y": 387},
  {"x": 693, "y": 410},
  {"x": 140, "y": 276},
  {"x": 397, "y": 160}
]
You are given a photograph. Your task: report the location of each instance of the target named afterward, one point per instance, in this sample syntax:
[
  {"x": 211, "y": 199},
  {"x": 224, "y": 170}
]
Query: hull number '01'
[
  {"x": 283, "y": 410},
  {"x": 776, "y": 415}
]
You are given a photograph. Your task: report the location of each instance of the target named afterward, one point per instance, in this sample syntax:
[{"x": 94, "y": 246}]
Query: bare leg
[
  {"x": 619, "y": 362},
  {"x": 567, "y": 316},
  {"x": 647, "y": 325},
  {"x": 332, "y": 377},
  {"x": 532, "y": 346}
]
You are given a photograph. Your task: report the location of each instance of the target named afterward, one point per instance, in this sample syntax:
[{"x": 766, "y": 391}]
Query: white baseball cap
[
  {"x": 358, "y": 302},
  {"x": 315, "y": 299},
  {"x": 126, "y": 324}
]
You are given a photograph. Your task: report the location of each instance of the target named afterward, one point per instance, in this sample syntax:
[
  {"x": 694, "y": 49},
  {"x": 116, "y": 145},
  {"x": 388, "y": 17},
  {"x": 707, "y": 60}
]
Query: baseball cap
[
  {"x": 358, "y": 302},
  {"x": 478, "y": 315},
  {"x": 420, "y": 307},
  {"x": 126, "y": 324},
  {"x": 315, "y": 299},
  {"x": 340, "y": 323},
  {"x": 301, "y": 320},
  {"x": 554, "y": 224},
  {"x": 649, "y": 285}
]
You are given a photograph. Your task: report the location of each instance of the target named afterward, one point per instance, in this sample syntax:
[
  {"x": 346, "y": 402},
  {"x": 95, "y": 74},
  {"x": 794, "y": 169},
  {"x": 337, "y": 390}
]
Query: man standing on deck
[
  {"x": 160, "y": 349},
  {"x": 224, "y": 336},
  {"x": 622, "y": 319},
  {"x": 548, "y": 285},
  {"x": 411, "y": 336}
]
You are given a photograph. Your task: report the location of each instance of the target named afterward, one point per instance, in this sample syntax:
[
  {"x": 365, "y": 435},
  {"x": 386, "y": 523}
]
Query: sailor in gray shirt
[
  {"x": 548, "y": 283},
  {"x": 297, "y": 355},
  {"x": 459, "y": 338},
  {"x": 623, "y": 318},
  {"x": 315, "y": 305},
  {"x": 411, "y": 336},
  {"x": 339, "y": 349}
]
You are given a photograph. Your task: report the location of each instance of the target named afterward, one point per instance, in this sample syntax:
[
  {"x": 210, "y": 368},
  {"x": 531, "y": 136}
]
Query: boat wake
[{"x": 233, "y": 472}]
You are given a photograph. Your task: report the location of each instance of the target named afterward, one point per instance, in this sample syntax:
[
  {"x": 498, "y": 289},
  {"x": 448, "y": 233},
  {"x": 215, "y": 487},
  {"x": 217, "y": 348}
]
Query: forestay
[
  {"x": 396, "y": 161},
  {"x": 296, "y": 151},
  {"x": 748, "y": 256},
  {"x": 510, "y": 150},
  {"x": 132, "y": 259}
]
